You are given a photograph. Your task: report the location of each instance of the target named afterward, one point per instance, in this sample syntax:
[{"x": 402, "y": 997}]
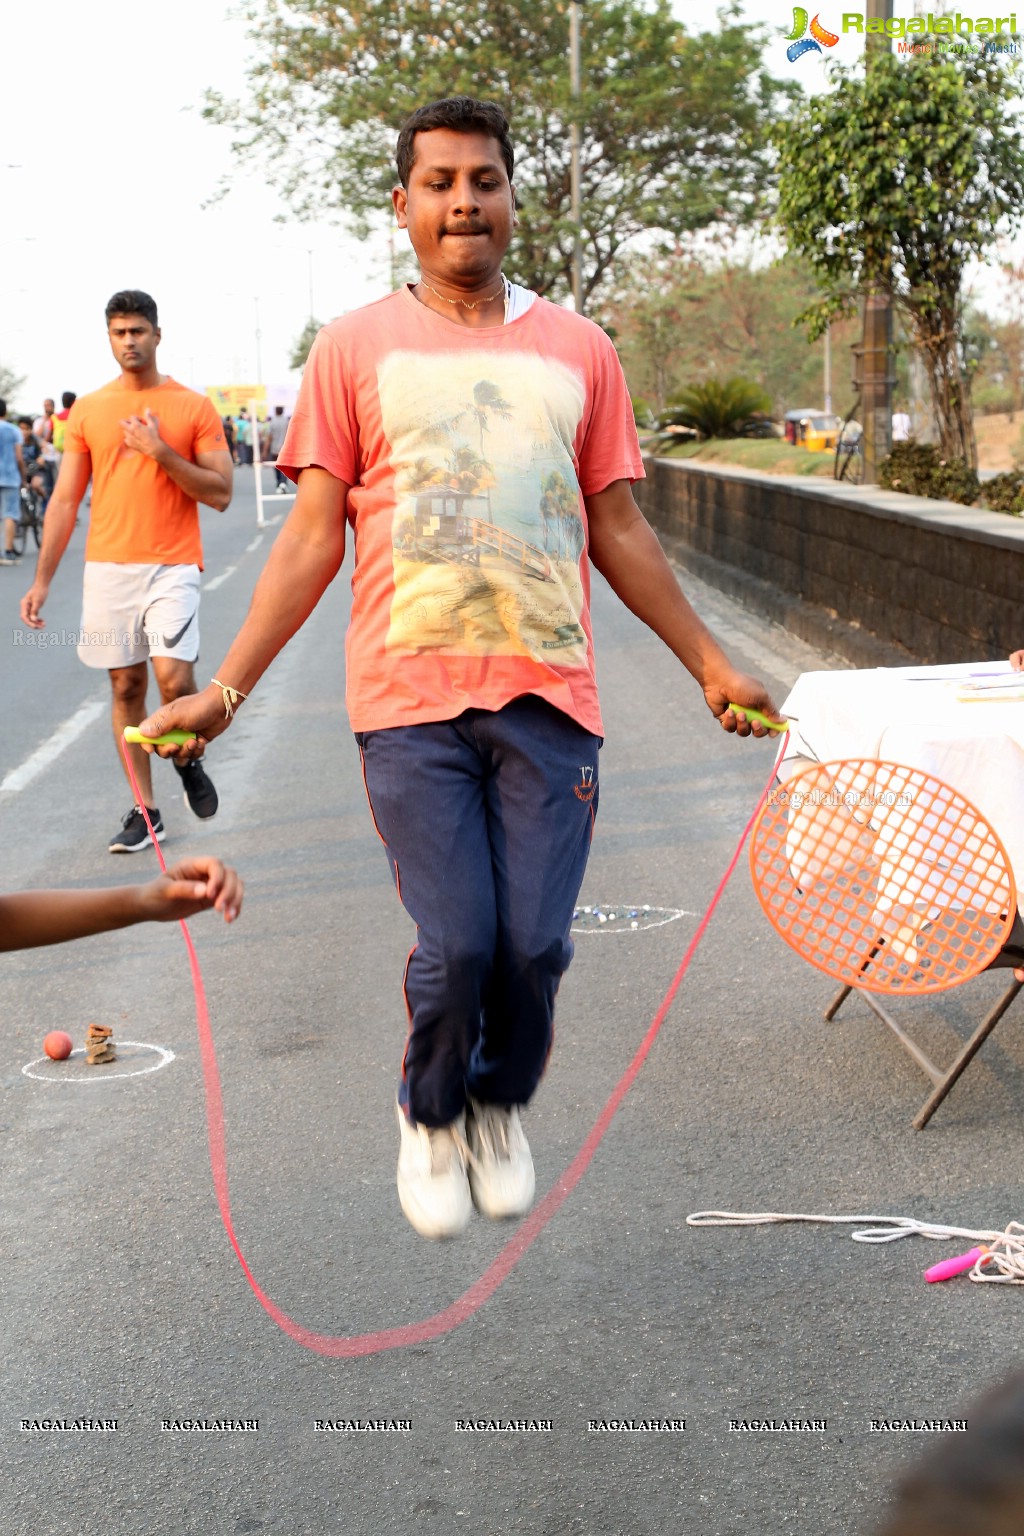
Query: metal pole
[
  {"x": 828, "y": 370},
  {"x": 876, "y": 396},
  {"x": 574, "y": 152},
  {"x": 259, "y": 333}
]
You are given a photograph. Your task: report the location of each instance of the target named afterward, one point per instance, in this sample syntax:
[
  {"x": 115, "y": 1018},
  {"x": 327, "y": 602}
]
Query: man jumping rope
[
  {"x": 480, "y": 441},
  {"x": 153, "y": 449}
]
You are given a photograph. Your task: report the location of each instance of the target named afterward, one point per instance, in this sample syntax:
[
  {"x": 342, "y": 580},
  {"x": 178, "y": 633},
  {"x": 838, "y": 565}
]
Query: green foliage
[
  {"x": 894, "y": 182},
  {"x": 673, "y": 123},
  {"x": 918, "y": 469},
  {"x": 991, "y": 399},
  {"x": 306, "y": 338},
  {"x": 10, "y": 383},
  {"x": 770, "y": 458},
  {"x": 998, "y": 380},
  {"x": 719, "y": 408},
  {"x": 677, "y": 319},
  {"x": 1005, "y": 493}
]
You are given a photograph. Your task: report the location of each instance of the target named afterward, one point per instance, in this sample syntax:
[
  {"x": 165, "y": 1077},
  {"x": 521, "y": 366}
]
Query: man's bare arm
[
  {"x": 627, "y": 552},
  {"x": 58, "y": 525}
]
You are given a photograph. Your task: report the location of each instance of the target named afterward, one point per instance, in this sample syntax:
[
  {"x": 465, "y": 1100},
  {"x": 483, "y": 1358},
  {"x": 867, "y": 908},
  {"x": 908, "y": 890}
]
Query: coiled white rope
[{"x": 1004, "y": 1251}]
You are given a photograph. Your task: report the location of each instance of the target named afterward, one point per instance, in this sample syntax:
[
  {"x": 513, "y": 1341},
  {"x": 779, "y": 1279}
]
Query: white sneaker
[
  {"x": 501, "y": 1176},
  {"x": 432, "y": 1185}
]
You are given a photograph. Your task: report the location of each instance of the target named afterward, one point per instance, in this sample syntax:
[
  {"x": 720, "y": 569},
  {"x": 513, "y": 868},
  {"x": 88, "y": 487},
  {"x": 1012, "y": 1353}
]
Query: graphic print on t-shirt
[{"x": 487, "y": 533}]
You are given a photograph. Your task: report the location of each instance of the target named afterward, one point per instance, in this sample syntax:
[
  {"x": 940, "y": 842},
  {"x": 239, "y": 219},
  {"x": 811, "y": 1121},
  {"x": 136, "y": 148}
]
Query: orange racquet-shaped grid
[{"x": 882, "y": 876}]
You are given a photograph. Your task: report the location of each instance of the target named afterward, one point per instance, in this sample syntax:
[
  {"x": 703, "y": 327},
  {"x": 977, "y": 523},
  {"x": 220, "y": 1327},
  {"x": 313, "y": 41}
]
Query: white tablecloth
[{"x": 912, "y": 715}]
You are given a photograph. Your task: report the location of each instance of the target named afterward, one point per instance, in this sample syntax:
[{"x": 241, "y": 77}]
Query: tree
[
  {"x": 10, "y": 383},
  {"x": 300, "y": 351},
  {"x": 678, "y": 320},
  {"x": 998, "y": 384},
  {"x": 895, "y": 181},
  {"x": 673, "y": 124}
]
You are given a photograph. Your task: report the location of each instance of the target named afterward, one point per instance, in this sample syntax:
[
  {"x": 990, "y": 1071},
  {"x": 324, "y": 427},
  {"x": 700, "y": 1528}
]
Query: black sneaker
[
  {"x": 200, "y": 795},
  {"x": 134, "y": 834}
]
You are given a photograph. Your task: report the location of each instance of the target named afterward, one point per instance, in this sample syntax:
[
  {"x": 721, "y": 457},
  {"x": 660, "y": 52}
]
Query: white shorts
[{"x": 133, "y": 612}]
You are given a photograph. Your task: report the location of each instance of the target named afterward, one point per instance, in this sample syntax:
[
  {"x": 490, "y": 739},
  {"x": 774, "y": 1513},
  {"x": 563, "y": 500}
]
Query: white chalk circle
[
  {"x": 133, "y": 1054},
  {"x": 624, "y": 917}
]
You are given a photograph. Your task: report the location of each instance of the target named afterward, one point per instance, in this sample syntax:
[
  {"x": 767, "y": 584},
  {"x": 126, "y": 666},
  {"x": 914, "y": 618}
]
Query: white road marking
[
  {"x": 54, "y": 745},
  {"x": 165, "y": 1055},
  {"x": 218, "y": 581},
  {"x": 257, "y": 541}
]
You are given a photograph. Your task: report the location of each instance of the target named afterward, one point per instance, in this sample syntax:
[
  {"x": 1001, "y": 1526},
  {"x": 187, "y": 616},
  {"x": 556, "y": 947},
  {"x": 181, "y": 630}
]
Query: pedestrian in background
[
  {"x": 277, "y": 431},
  {"x": 154, "y": 449},
  {"x": 12, "y": 476}
]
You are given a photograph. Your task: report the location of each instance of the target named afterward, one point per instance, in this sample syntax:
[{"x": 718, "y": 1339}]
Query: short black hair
[
  {"x": 25, "y": 421},
  {"x": 462, "y": 114},
  {"x": 68, "y": 399},
  {"x": 132, "y": 301},
  {"x": 3, "y": 407}
]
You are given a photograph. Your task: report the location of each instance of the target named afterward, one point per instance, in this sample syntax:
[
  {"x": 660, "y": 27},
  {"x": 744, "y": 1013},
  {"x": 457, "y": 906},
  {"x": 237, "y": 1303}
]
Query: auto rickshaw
[{"x": 812, "y": 429}]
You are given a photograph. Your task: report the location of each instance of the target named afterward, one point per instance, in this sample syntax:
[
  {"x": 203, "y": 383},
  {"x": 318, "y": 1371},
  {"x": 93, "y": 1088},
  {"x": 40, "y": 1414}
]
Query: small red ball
[{"x": 57, "y": 1045}]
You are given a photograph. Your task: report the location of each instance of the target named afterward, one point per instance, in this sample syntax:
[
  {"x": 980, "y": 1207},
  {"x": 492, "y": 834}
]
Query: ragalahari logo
[{"x": 801, "y": 43}]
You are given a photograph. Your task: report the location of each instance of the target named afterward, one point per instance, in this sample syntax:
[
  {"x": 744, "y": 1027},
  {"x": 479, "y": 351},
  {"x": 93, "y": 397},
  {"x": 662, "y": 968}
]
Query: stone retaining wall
[{"x": 872, "y": 575}]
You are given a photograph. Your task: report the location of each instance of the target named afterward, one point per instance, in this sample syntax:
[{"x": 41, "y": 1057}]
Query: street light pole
[
  {"x": 259, "y": 334},
  {"x": 828, "y": 370},
  {"x": 574, "y": 154}
]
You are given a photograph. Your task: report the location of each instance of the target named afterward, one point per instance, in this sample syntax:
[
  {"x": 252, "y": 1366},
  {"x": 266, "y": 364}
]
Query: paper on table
[
  {"x": 961, "y": 672},
  {"x": 1008, "y": 692}
]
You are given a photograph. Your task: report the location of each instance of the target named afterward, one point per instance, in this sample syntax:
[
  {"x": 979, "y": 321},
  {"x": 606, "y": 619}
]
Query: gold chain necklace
[{"x": 466, "y": 303}]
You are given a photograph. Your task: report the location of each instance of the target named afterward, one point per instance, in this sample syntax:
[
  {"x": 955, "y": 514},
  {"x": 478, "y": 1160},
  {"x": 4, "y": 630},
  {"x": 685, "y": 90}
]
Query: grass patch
[{"x": 768, "y": 456}]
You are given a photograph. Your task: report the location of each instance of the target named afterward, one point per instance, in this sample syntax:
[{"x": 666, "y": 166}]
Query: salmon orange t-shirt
[
  {"x": 139, "y": 515},
  {"x": 469, "y": 451}
]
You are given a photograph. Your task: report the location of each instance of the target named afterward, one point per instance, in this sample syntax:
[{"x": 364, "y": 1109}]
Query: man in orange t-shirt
[{"x": 153, "y": 450}]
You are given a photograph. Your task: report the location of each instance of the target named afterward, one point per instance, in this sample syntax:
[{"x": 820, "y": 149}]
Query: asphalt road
[{"x": 123, "y": 1300}]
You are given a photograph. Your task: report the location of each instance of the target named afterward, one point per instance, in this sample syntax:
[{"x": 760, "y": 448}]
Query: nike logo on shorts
[{"x": 171, "y": 640}]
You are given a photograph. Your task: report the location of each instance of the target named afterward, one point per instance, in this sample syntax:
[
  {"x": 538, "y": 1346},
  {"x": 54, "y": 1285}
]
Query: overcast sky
[{"x": 105, "y": 164}]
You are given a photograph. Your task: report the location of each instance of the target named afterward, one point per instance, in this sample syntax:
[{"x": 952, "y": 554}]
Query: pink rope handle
[{"x": 350, "y": 1346}]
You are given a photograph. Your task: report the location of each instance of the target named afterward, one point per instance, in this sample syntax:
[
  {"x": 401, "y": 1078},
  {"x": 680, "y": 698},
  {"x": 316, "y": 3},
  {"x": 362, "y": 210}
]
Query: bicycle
[
  {"x": 849, "y": 463},
  {"x": 32, "y": 509}
]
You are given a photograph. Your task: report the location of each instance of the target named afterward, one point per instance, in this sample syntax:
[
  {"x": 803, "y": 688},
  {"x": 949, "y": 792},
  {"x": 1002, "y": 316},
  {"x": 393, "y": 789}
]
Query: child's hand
[{"x": 193, "y": 886}]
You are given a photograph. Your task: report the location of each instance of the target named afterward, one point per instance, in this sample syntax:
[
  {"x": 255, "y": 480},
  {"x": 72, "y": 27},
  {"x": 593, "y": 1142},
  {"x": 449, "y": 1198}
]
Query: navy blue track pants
[{"x": 487, "y": 821}]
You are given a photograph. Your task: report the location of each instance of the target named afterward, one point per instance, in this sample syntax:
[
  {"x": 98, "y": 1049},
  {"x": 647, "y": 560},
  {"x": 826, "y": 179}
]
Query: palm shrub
[
  {"x": 734, "y": 407},
  {"x": 643, "y": 415}
]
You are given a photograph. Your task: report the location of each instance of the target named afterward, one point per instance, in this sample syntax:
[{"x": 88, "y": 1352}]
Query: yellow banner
[{"x": 228, "y": 399}]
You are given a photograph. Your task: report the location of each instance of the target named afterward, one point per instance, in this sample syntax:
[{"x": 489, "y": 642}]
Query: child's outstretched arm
[{"x": 31, "y": 918}]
